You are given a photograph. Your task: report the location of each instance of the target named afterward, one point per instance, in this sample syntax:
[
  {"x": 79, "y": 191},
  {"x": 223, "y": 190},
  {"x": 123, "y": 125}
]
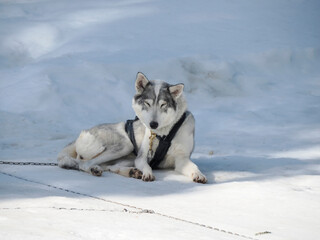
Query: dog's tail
[{"x": 67, "y": 157}]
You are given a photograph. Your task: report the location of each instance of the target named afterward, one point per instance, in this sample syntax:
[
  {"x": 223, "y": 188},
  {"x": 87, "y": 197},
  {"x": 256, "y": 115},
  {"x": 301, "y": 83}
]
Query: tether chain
[
  {"x": 29, "y": 163},
  {"x": 141, "y": 210},
  {"x": 78, "y": 209}
]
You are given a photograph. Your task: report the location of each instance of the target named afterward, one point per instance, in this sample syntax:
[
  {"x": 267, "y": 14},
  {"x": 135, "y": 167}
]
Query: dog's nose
[{"x": 154, "y": 125}]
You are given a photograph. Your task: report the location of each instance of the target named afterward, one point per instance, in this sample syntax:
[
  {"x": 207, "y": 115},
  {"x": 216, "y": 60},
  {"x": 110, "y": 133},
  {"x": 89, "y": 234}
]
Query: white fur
[
  {"x": 157, "y": 87},
  {"x": 88, "y": 146}
]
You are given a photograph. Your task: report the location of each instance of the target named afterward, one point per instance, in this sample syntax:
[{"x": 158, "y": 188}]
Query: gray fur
[
  {"x": 165, "y": 95},
  {"x": 149, "y": 94}
]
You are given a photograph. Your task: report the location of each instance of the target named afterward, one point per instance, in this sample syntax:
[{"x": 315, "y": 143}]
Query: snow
[{"x": 251, "y": 71}]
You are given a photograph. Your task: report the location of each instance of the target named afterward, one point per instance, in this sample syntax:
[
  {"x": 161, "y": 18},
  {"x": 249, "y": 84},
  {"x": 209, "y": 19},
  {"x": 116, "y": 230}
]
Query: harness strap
[
  {"x": 130, "y": 132},
  {"x": 165, "y": 143}
]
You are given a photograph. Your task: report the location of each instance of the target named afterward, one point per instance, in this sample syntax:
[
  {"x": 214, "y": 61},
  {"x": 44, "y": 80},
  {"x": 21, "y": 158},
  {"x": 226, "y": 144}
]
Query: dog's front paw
[
  {"x": 148, "y": 177},
  {"x": 198, "y": 177},
  {"x": 96, "y": 170},
  {"x": 135, "y": 173}
]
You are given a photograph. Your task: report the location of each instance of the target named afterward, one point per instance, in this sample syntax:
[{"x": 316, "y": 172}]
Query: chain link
[{"x": 28, "y": 163}]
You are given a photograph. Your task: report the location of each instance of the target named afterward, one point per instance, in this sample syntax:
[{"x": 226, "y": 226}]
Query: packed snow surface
[{"x": 251, "y": 71}]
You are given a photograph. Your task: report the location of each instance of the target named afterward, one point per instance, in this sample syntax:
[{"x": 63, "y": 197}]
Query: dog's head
[{"x": 158, "y": 104}]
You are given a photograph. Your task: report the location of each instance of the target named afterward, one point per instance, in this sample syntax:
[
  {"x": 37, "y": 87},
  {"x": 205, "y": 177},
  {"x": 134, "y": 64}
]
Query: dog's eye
[
  {"x": 147, "y": 104},
  {"x": 163, "y": 105}
]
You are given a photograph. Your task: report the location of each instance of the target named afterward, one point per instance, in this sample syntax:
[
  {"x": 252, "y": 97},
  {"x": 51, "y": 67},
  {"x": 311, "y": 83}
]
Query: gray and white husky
[{"x": 107, "y": 147}]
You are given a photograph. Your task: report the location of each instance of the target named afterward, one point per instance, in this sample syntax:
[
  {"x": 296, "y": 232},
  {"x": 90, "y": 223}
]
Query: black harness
[
  {"x": 164, "y": 141},
  {"x": 129, "y": 129}
]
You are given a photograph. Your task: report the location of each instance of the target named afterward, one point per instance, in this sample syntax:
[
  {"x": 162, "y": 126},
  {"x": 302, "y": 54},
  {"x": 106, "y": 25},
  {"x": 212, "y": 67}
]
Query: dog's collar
[{"x": 164, "y": 141}]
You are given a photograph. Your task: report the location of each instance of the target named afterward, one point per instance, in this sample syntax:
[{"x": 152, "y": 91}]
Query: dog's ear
[
  {"x": 141, "y": 82},
  {"x": 176, "y": 90}
]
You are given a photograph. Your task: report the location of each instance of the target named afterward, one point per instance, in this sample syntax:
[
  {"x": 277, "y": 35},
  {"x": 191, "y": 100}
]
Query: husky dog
[{"x": 159, "y": 107}]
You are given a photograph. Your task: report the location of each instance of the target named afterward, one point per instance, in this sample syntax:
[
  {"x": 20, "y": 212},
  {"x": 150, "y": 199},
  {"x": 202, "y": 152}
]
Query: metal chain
[
  {"x": 29, "y": 163},
  {"x": 79, "y": 209},
  {"x": 139, "y": 210}
]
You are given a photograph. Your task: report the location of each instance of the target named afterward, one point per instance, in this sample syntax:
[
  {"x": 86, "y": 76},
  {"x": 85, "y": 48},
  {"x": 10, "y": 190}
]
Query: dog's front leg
[
  {"x": 142, "y": 164},
  {"x": 141, "y": 161},
  {"x": 188, "y": 168}
]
